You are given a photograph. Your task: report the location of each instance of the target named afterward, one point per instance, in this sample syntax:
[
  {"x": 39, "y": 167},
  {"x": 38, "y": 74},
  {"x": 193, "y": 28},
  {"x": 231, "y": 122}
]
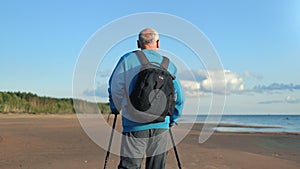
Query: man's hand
[{"x": 172, "y": 124}]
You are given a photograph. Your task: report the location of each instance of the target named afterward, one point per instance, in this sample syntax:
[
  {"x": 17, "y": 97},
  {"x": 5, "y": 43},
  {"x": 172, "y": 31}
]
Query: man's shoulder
[
  {"x": 153, "y": 56},
  {"x": 157, "y": 57},
  {"x": 128, "y": 54}
]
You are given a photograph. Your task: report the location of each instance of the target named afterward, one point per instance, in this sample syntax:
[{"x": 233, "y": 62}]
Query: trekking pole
[
  {"x": 175, "y": 149},
  {"x": 110, "y": 141}
]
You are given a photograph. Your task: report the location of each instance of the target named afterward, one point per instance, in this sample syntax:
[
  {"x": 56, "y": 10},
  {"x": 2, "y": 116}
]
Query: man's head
[{"x": 148, "y": 39}]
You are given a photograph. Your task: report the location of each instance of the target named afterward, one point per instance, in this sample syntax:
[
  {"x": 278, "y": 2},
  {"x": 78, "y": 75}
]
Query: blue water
[{"x": 258, "y": 123}]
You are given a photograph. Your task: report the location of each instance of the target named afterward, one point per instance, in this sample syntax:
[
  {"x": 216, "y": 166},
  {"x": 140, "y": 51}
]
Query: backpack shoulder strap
[
  {"x": 165, "y": 62},
  {"x": 144, "y": 60},
  {"x": 142, "y": 57}
]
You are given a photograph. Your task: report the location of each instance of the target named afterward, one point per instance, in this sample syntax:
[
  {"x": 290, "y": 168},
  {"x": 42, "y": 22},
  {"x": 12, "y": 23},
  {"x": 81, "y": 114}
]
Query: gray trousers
[{"x": 151, "y": 143}]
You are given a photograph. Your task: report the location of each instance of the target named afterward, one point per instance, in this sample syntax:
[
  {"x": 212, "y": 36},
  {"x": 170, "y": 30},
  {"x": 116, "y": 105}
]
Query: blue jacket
[{"x": 119, "y": 83}]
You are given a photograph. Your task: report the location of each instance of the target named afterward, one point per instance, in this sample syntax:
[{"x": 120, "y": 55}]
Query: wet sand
[{"x": 59, "y": 142}]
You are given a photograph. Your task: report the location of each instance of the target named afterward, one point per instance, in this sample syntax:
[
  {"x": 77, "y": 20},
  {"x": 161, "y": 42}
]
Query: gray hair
[{"x": 148, "y": 36}]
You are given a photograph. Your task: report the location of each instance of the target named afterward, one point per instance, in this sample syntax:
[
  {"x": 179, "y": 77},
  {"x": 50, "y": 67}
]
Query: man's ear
[
  {"x": 138, "y": 44},
  {"x": 157, "y": 43}
]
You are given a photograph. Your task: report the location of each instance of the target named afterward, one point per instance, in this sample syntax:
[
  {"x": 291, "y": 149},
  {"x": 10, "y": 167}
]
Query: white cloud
[
  {"x": 192, "y": 88},
  {"x": 288, "y": 99},
  {"x": 292, "y": 99},
  {"x": 234, "y": 82},
  {"x": 204, "y": 83},
  {"x": 207, "y": 82}
]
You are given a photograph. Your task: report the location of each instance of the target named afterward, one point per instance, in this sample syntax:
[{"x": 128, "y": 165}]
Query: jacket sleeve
[
  {"x": 116, "y": 87},
  {"x": 179, "y": 102}
]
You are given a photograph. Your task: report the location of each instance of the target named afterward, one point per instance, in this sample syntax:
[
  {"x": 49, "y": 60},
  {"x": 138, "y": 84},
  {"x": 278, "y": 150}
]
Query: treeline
[{"x": 23, "y": 102}]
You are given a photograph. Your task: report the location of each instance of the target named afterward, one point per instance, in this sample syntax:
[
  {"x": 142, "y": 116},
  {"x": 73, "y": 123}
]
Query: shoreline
[{"x": 200, "y": 125}]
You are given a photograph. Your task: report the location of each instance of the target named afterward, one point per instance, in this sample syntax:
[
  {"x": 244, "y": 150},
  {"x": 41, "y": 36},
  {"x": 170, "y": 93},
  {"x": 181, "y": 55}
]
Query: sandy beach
[{"x": 59, "y": 142}]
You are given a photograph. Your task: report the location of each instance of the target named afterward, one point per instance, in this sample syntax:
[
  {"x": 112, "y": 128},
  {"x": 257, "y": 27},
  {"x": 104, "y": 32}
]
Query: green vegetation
[{"x": 22, "y": 102}]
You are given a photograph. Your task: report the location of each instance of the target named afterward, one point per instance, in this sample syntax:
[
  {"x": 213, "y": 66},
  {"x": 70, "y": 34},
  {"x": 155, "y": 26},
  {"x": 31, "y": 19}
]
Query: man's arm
[
  {"x": 116, "y": 87},
  {"x": 179, "y": 102}
]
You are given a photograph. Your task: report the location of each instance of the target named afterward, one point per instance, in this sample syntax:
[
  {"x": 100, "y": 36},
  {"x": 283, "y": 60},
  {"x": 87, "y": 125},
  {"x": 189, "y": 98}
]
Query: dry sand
[{"x": 58, "y": 142}]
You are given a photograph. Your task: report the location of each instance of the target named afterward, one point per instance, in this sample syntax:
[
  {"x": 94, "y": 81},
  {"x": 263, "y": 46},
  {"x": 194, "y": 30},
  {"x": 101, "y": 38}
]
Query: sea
[{"x": 249, "y": 123}]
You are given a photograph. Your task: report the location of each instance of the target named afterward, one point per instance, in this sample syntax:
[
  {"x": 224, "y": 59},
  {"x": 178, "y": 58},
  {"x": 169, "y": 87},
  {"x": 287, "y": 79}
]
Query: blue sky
[{"x": 257, "y": 42}]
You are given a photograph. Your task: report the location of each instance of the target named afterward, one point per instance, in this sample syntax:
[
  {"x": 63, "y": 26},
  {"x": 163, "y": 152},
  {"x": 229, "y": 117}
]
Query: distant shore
[{"x": 58, "y": 141}]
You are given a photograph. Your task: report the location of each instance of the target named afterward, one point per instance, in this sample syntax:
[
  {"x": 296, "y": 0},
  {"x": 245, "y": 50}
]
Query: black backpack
[{"x": 153, "y": 93}]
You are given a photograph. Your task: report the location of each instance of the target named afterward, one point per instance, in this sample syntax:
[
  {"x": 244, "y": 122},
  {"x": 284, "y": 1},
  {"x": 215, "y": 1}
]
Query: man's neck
[{"x": 150, "y": 48}]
